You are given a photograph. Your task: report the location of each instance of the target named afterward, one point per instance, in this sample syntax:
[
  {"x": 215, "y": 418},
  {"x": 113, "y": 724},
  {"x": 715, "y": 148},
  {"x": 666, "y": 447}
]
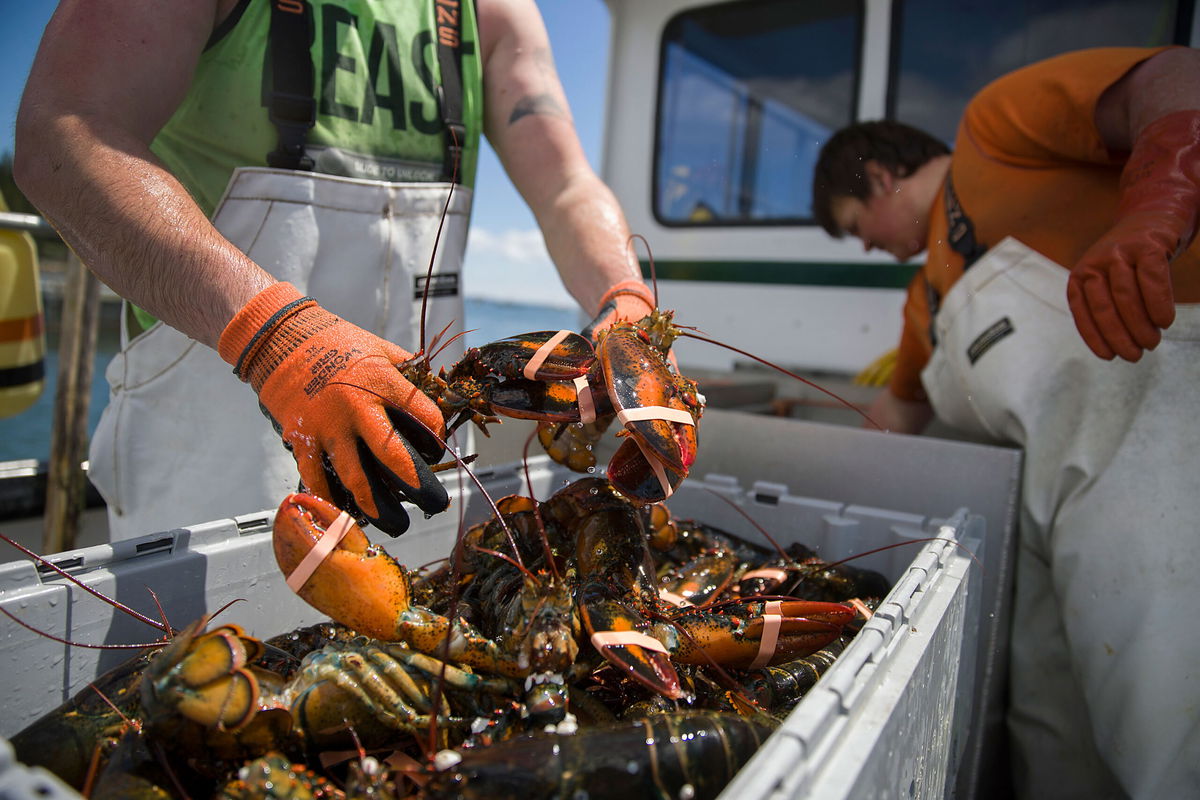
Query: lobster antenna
[
  {"x": 437, "y": 239},
  {"x": 894, "y": 545},
  {"x": 70, "y": 643},
  {"x": 114, "y": 603},
  {"x": 790, "y": 374},
  {"x": 452, "y": 612},
  {"x": 504, "y": 557},
  {"x": 537, "y": 508},
  {"x": 751, "y": 520},
  {"x": 649, "y": 257}
]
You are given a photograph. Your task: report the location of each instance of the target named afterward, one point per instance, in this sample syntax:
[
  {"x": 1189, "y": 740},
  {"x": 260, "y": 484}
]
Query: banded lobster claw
[
  {"x": 659, "y": 409},
  {"x": 753, "y": 634},
  {"x": 531, "y": 376},
  {"x": 330, "y": 563}
]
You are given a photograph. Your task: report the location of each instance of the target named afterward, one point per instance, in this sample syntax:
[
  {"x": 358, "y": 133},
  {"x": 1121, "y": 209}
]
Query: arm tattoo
[{"x": 536, "y": 104}]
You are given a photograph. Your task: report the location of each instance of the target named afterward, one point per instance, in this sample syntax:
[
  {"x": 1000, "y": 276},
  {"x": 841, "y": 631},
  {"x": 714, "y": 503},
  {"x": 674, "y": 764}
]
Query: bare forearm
[
  {"x": 133, "y": 224},
  {"x": 588, "y": 239},
  {"x": 529, "y": 124}
]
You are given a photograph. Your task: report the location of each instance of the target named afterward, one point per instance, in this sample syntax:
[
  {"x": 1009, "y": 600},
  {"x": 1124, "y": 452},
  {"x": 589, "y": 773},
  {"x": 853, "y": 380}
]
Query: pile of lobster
[
  {"x": 562, "y": 642},
  {"x": 559, "y": 640}
]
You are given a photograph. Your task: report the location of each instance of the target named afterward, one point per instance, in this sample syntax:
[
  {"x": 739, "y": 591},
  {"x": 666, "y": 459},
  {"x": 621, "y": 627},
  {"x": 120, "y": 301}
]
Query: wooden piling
[{"x": 66, "y": 482}]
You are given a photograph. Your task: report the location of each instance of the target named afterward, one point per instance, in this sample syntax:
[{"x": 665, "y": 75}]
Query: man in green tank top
[{"x": 268, "y": 179}]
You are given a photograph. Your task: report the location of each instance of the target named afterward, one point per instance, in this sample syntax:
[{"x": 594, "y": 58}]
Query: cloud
[{"x": 512, "y": 266}]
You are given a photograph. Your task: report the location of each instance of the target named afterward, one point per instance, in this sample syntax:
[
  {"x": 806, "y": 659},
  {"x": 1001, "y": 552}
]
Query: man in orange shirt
[{"x": 1062, "y": 228}]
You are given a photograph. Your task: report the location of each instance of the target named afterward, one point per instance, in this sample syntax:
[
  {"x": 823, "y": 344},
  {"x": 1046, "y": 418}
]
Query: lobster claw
[
  {"x": 358, "y": 585},
  {"x": 205, "y": 676},
  {"x": 659, "y": 410},
  {"x": 528, "y": 376},
  {"x": 614, "y": 630},
  {"x": 639, "y": 478},
  {"x": 203, "y": 691},
  {"x": 740, "y": 635},
  {"x": 563, "y": 356}
]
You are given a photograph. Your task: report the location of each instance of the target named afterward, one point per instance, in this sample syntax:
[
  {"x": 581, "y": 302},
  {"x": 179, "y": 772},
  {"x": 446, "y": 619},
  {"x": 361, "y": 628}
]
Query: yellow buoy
[{"x": 22, "y": 328}]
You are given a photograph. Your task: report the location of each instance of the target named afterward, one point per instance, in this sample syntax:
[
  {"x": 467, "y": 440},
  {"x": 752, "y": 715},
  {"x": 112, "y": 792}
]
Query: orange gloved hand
[
  {"x": 628, "y": 301},
  {"x": 362, "y": 435},
  {"x": 1120, "y": 291}
]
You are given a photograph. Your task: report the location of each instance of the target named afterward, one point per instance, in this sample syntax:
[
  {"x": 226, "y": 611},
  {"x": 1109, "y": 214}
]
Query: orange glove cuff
[
  {"x": 362, "y": 434},
  {"x": 252, "y": 341},
  {"x": 633, "y": 300}
]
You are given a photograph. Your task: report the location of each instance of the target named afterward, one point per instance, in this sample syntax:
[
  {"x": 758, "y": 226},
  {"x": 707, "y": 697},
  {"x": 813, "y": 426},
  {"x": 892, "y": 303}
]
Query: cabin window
[
  {"x": 980, "y": 40},
  {"x": 749, "y": 92}
]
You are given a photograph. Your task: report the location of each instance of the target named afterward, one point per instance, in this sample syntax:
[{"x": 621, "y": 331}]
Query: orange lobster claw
[
  {"x": 638, "y": 377},
  {"x": 365, "y": 589},
  {"x": 360, "y": 586}
]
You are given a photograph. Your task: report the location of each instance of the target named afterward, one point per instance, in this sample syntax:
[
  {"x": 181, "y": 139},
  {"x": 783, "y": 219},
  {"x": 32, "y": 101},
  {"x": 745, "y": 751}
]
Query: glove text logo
[{"x": 327, "y": 365}]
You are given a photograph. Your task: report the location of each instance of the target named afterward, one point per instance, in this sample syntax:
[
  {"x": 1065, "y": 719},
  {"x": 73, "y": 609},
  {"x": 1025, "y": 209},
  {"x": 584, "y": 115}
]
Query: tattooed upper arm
[{"x": 544, "y": 103}]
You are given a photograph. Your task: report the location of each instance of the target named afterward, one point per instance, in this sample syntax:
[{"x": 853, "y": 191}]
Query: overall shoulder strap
[
  {"x": 960, "y": 229},
  {"x": 448, "y": 19},
  {"x": 292, "y": 106}
]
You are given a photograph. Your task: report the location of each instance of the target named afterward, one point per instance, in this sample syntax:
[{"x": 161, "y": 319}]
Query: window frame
[{"x": 857, "y": 9}]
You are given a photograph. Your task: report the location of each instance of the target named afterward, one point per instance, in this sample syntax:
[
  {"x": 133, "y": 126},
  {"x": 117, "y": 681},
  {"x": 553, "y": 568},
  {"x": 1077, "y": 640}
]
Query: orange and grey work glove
[
  {"x": 1120, "y": 291},
  {"x": 628, "y": 301},
  {"x": 362, "y": 435}
]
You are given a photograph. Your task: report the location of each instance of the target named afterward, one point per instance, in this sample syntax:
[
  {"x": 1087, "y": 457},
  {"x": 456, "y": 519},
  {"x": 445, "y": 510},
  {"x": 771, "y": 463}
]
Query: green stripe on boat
[{"x": 794, "y": 273}]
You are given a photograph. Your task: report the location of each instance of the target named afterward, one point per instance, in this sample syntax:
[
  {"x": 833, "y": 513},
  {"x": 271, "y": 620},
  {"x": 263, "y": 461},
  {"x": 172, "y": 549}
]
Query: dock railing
[{"x": 66, "y": 481}]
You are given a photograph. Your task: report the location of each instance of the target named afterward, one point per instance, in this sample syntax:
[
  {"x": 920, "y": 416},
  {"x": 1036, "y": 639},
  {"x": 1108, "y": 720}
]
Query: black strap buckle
[
  {"x": 292, "y": 115},
  {"x": 456, "y": 135}
]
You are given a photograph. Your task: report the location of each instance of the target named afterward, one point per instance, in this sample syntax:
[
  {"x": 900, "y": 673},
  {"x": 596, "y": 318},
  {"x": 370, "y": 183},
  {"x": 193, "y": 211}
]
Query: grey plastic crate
[{"x": 892, "y": 718}]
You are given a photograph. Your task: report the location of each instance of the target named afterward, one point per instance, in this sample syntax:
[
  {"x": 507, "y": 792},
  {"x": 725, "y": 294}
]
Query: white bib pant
[
  {"x": 1105, "y": 668},
  {"x": 182, "y": 440}
]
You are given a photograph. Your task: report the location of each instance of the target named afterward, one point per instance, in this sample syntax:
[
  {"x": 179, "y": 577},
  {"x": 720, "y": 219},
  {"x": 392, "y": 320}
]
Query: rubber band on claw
[
  {"x": 772, "y": 620},
  {"x": 542, "y": 353},
  {"x": 677, "y": 600},
  {"x": 770, "y": 573},
  {"x": 614, "y": 638},
  {"x": 655, "y": 412},
  {"x": 583, "y": 396},
  {"x": 328, "y": 542}
]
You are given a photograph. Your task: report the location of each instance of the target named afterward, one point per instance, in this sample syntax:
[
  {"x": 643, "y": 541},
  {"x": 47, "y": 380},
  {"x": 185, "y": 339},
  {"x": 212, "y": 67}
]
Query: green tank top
[{"x": 376, "y": 68}]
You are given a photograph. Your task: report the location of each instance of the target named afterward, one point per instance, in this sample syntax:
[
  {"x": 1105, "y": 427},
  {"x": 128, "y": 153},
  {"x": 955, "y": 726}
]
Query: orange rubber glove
[
  {"x": 628, "y": 300},
  {"x": 360, "y": 432},
  {"x": 1120, "y": 291}
]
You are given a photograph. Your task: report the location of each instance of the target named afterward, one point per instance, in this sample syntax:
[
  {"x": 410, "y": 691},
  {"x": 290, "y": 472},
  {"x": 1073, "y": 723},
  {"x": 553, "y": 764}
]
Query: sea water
[{"x": 27, "y": 435}]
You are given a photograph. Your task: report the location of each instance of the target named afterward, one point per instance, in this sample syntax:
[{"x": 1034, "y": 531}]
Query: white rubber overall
[
  {"x": 182, "y": 440},
  {"x": 1105, "y": 670}
]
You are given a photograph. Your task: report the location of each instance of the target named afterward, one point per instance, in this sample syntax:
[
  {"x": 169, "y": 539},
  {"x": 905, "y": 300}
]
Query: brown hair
[{"x": 899, "y": 148}]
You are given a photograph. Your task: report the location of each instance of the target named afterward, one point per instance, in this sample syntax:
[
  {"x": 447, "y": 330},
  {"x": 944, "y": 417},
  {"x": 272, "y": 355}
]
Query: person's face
[{"x": 885, "y": 220}]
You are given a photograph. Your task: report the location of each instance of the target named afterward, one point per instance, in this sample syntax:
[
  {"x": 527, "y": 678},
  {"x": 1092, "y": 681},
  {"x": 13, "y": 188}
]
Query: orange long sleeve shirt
[{"x": 1028, "y": 163}]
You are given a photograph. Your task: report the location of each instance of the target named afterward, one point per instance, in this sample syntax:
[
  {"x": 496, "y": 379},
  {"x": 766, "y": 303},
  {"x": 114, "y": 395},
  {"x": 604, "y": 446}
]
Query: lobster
[
  {"x": 574, "y": 390},
  {"x": 683, "y": 754},
  {"x": 615, "y": 597}
]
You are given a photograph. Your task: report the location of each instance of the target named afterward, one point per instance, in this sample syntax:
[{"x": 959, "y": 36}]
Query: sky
[{"x": 506, "y": 259}]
